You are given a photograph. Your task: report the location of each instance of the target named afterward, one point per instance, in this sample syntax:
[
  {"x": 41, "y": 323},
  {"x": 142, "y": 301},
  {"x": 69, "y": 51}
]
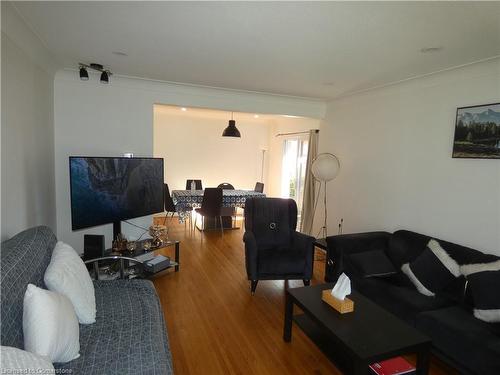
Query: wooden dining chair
[
  {"x": 211, "y": 206},
  {"x": 197, "y": 184}
]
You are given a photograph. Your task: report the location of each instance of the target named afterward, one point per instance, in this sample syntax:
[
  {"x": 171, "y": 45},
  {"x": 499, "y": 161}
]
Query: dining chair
[
  {"x": 259, "y": 187},
  {"x": 226, "y": 185},
  {"x": 228, "y": 211},
  {"x": 169, "y": 203},
  {"x": 211, "y": 206},
  {"x": 197, "y": 184}
]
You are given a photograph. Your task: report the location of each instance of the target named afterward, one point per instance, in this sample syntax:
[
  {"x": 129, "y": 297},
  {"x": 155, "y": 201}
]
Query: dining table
[{"x": 186, "y": 200}]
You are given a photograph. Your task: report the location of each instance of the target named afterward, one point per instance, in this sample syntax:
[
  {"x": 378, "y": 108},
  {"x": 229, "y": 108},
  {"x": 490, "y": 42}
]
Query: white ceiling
[{"x": 310, "y": 49}]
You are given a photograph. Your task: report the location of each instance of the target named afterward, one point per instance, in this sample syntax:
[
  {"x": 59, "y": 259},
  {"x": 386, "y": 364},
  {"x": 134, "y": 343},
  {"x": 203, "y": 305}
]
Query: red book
[{"x": 394, "y": 366}]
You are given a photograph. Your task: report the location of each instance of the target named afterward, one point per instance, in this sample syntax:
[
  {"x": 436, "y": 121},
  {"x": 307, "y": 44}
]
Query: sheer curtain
[{"x": 309, "y": 185}]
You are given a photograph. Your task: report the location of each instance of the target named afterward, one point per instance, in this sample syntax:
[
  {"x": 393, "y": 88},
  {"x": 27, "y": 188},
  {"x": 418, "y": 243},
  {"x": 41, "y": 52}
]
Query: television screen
[{"x": 106, "y": 190}]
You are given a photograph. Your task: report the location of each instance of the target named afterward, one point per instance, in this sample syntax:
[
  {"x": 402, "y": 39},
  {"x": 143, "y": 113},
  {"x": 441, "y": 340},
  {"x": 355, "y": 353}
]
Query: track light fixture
[
  {"x": 84, "y": 75},
  {"x": 104, "y": 77}
]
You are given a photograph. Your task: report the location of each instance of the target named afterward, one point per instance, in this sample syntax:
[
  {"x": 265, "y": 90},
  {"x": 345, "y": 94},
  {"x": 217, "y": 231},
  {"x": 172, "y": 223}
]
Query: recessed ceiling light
[
  {"x": 431, "y": 49},
  {"x": 256, "y": 116},
  {"x": 119, "y": 53},
  {"x": 184, "y": 109}
]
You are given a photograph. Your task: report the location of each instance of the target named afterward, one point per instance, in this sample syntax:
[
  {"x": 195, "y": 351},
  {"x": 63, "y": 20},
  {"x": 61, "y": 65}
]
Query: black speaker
[{"x": 93, "y": 246}]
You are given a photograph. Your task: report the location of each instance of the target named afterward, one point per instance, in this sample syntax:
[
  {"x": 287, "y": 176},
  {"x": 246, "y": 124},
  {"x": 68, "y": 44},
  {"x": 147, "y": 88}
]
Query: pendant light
[{"x": 231, "y": 130}]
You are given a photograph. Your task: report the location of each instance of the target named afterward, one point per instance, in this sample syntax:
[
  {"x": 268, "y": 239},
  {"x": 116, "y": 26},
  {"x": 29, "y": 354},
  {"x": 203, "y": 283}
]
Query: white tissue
[{"x": 342, "y": 288}]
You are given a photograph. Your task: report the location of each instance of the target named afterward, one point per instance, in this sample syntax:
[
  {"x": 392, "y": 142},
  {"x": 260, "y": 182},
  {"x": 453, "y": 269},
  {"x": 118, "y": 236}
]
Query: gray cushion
[
  {"x": 129, "y": 336},
  {"x": 23, "y": 260}
]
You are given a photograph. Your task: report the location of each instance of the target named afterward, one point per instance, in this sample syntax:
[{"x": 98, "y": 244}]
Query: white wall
[
  {"x": 28, "y": 185},
  {"x": 192, "y": 147},
  {"x": 108, "y": 120},
  {"x": 395, "y": 147}
]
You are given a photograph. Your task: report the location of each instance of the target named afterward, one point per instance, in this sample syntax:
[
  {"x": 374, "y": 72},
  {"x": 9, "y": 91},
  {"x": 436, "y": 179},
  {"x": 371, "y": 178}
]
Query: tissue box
[{"x": 342, "y": 307}]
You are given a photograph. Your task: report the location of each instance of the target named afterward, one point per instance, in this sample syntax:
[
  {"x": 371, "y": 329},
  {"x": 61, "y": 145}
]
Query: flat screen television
[{"x": 111, "y": 189}]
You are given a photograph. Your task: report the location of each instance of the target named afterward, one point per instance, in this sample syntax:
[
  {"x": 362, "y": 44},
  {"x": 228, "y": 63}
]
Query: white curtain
[{"x": 307, "y": 215}]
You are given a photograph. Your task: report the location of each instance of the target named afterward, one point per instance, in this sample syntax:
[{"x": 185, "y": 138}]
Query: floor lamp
[{"x": 325, "y": 167}]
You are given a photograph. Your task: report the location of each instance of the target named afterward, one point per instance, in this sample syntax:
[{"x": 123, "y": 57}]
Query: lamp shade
[
  {"x": 325, "y": 167},
  {"x": 231, "y": 130}
]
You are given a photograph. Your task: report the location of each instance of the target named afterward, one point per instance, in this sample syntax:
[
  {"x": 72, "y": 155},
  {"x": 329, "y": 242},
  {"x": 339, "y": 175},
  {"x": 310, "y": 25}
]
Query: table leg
[
  {"x": 177, "y": 248},
  {"x": 287, "y": 329},
  {"x": 423, "y": 357}
]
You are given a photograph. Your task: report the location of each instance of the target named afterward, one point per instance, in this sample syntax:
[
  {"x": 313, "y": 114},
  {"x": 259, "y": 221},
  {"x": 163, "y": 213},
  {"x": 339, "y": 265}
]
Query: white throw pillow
[
  {"x": 67, "y": 274},
  {"x": 17, "y": 361},
  {"x": 50, "y": 325}
]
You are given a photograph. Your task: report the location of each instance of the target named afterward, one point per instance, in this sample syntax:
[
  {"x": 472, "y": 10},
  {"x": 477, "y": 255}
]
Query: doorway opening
[{"x": 293, "y": 171}]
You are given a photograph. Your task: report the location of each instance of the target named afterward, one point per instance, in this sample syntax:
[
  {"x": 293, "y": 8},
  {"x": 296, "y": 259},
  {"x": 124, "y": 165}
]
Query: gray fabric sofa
[{"x": 129, "y": 336}]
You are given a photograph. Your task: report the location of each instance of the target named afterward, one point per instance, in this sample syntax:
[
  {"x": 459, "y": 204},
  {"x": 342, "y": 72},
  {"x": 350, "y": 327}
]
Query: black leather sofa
[{"x": 468, "y": 344}]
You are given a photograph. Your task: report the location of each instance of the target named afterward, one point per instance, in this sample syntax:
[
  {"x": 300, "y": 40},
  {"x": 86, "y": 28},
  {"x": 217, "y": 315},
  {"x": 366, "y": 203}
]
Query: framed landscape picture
[{"x": 477, "y": 132}]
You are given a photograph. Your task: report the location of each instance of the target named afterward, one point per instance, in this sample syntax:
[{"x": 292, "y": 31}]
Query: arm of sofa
[
  {"x": 251, "y": 253},
  {"x": 341, "y": 245},
  {"x": 304, "y": 244}
]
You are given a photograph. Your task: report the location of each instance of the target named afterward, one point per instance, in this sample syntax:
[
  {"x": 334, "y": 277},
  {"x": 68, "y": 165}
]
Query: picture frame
[{"x": 477, "y": 132}]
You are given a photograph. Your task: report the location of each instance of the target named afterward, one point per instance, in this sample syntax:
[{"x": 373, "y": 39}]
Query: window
[{"x": 293, "y": 170}]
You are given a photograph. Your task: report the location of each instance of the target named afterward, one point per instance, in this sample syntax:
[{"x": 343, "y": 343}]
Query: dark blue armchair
[{"x": 274, "y": 250}]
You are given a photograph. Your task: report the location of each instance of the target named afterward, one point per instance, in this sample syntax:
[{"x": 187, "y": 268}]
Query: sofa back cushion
[
  {"x": 272, "y": 221},
  {"x": 23, "y": 260},
  {"x": 405, "y": 246}
]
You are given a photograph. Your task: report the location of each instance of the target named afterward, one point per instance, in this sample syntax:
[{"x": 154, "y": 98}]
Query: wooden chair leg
[{"x": 221, "y": 226}]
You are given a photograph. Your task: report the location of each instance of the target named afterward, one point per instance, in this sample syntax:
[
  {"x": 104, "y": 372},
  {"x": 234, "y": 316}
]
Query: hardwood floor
[{"x": 215, "y": 326}]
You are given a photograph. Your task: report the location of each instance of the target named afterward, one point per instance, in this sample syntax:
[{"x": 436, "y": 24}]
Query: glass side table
[{"x": 129, "y": 264}]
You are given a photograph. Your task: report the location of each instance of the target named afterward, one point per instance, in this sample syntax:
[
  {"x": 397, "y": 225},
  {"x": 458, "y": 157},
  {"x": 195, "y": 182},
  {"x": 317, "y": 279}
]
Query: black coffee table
[{"x": 354, "y": 340}]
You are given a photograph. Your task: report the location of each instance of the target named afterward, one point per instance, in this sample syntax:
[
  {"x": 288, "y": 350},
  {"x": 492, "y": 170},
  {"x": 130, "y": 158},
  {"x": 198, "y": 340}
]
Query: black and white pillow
[
  {"x": 483, "y": 280},
  {"x": 433, "y": 270}
]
